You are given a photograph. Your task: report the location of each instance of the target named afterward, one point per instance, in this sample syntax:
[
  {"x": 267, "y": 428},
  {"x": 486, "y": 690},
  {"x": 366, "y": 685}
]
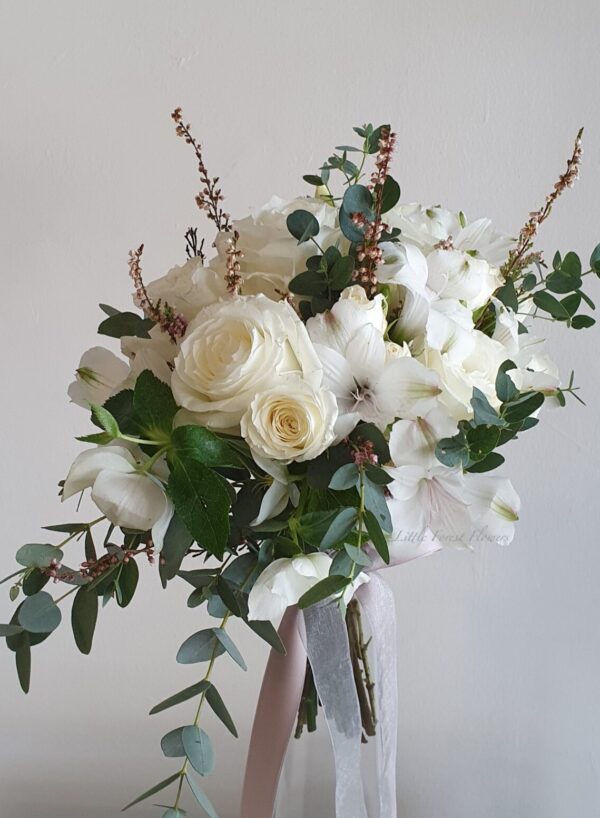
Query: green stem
[{"x": 147, "y": 466}]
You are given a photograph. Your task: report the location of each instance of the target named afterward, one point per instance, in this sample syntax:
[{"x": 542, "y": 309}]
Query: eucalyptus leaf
[
  {"x": 172, "y": 743},
  {"x": 153, "y": 790},
  {"x": 84, "y": 615},
  {"x": 38, "y": 555},
  {"x": 198, "y": 749},
  {"x": 344, "y": 478},
  {"x": 302, "y": 225},
  {"x": 267, "y": 631},
  {"x": 228, "y": 644},
  {"x": 183, "y": 696},
  {"x": 375, "y": 503},
  {"x": 201, "y": 798},
  {"x": 40, "y": 613},
  {"x": 340, "y": 526},
  {"x": 217, "y": 705},
  {"x": 327, "y": 587},
  {"x": 126, "y": 324},
  {"x": 377, "y": 536},
  {"x": 202, "y": 646}
]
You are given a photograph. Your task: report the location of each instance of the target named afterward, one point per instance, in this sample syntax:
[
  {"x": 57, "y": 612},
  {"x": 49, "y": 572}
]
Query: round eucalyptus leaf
[
  {"x": 172, "y": 743},
  {"x": 38, "y": 555},
  {"x": 199, "y": 750},
  {"x": 40, "y": 613}
]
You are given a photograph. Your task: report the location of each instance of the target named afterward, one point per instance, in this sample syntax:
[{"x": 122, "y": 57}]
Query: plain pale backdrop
[{"x": 499, "y": 650}]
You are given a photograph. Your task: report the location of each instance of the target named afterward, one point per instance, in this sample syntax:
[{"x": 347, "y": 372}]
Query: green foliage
[
  {"x": 266, "y": 631},
  {"x": 121, "y": 324},
  {"x": 176, "y": 543},
  {"x": 198, "y": 749},
  {"x": 228, "y": 645},
  {"x": 302, "y": 225},
  {"x": 154, "y": 405},
  {"x": 201, "y": 499},
  {"x": 38, "y": 555},
  {"x": 201, "y": 798},
  {"x": 377, "y": 536},
  {"x": 84, "y": 615},
  {"x": 202, "y": 445},
  {"x": 153, "y": 790},
  {"x": 106, "y": 420},
  {"x": 390, "y": 195},
  {"x": 39, "y": 613},
  {"x": 202, "y": 646},
  {"x": 327, "y": 587},
  {"x": 345, "y": 477}
]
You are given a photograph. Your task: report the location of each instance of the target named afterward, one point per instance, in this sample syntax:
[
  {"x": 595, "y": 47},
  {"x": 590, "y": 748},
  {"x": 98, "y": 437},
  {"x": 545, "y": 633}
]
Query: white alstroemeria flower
[
  {"x": 282, "y": 489},
  {"x": 335, "y": 327},
  {"x": 428, "y": 499},
  {"x": 413, "y": 442},
  {"x": 370, "y": 385},
  {"x": 97, "y": 377},
  {"x": 494, "y": 507},
  {"x": 454, "y": 274},
  {"x": 156, "y": 353},
  {"x": 535, "y": 370},
  {"x": 412, "y": 311},
  {"x": 403, "y": 265},
  {"x": 506, "y": 330},
  {"x": 284, "y": 581},
  {"x": 127, "y": 496},
  {"x": 427, "y": 226},
  {"x": 450, "y": 329}
]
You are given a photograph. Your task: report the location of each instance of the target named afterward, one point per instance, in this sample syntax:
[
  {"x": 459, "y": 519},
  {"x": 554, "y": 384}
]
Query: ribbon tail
[
  {"x": 329, "y": 656},
  {"x": 378, "y": 604},
  {"x": 276, "y": 712}
]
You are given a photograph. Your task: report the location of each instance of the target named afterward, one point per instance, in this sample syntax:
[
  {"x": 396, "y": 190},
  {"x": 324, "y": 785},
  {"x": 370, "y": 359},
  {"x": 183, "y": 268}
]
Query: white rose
[
  {"x": 236, "y": 348},
  {"x": 188, "y": 288},
  {"x": 291, "y": 421},
  {"x": 272, "y": 256}
]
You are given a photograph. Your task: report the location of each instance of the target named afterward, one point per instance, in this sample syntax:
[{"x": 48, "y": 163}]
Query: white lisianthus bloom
[
  {"x": 98, "y": 376},
  {"x": 284, "y": 581},
  {"x": 281, "y": 489},
  {"x": 189, "y": 288},
  {"x": 428, "y": 499},
  {"x": 127, "y": 496},
  {"x": 272, "y": 256},
  {"x": 494, "y": 507},
  {"x": 235, "y": 349},
  {"x": 413, "y": 442},
  {"x": 290, "y": 421}
]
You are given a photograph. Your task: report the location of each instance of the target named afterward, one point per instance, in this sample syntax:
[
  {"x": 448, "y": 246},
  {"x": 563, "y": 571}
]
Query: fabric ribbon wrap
[{"x": 319, "y": 634}]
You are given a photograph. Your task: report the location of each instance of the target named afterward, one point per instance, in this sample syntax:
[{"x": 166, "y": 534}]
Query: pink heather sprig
[
  {"x": 171, "y": 322},
  {"x": 210, "y": 197},
  {"x": 233, "y": 278},
  {"x": 362, "y": 452},
  {"x": 515, "y": 262},
  {"x": 369, "y": 254}
]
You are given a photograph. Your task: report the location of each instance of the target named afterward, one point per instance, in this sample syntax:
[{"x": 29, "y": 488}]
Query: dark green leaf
[
  {"x": 341, "y": 273},
  {"x": 358, "y": 199},
  {"x": 84, "y": 614},
  {"x": 481, "y": 440},
  {"x": 572, "y": 302},
  {"x": 200, "y": 647},
  {"x": 357, "y": 555},
  {"x": 176, "y": 543},
  {"x": 229, "y": 645},
  {"x": 368, "y": 432},
  {"x": 23, "y": 660},
  {"x": 390, "y": 195},
  {"x": 154, "y": 404},
  {"x": 350, "y": 230},
  {"x": 548, "y": 303},
  {"x": 342, "y": 524},
  {"x": 108, "y": 310},
  {"x": 322, "y": 590},
  {"x": 183, "y": 696},
  {"x": 10, "y": 630},
  {"x": 582, "y": 322},
  {"x": 595, "y": 259},
  {"x": 266, "y": 631},
  {"x": 377, "y": 536},
  {"x": 527, "y": 404},
  {"x": 153, "y": 790},
  {"x": 311, "y": 282},
  {"x": 201, "y": 499},
  {"x": 34, "y": 582},
  {"x": 559, "y": 282},
  {"x": 571, "y": 265},
  {"x": 313, "y": 180},
  {"x": 228, "y": 597},
  {"x": 529, "y": 282},
  {"x": 40, "y": 613},
  {"x": 453, "y": 451},
  {"x": 377, "y": 475},
  {"x": 508, "y": 295},
  {"x": 128, "y": 580},
  {"x": 198, "y": 443},
  {"x": 492, "y": 461},
  {"x": 505, "y": 388},
  {"x": 218, "y": 707},
  {"x": 121, "y": 408},
  {"x": 302, "y": 225},
  {"x": 126, "y": 324}
]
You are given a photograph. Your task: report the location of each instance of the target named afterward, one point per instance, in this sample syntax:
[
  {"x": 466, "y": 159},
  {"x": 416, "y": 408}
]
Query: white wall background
[{"x": 499, "y": 659}]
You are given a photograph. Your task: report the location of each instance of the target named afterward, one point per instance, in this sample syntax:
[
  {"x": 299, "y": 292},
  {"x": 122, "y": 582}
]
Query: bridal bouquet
[{"x": 326, "y": 395}]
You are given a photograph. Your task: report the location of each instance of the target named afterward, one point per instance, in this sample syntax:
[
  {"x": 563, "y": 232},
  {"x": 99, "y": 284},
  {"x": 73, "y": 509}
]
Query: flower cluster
[{"x": 326, "y": 395}]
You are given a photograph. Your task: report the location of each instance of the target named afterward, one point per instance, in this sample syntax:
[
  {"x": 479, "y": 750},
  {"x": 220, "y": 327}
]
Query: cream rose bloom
[
  {"x": 291, "y": 421},
  {"x": 272, "y": 256},
  {"x": 188, "y": 288},
  {"x": 236, "y": 348}
]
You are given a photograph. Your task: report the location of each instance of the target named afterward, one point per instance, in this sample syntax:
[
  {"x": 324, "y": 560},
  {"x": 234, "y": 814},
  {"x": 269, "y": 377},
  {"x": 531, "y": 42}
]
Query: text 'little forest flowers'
[{"x": 329, "y": 393}]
